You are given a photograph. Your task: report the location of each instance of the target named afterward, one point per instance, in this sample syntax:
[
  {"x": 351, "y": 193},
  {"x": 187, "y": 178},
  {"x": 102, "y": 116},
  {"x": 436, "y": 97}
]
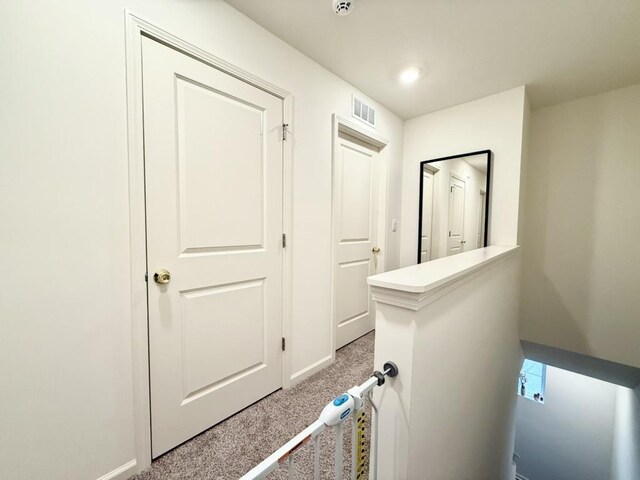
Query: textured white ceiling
[
  {"x": 479, "y": 162},
  {"x": 561, "y": 49}
]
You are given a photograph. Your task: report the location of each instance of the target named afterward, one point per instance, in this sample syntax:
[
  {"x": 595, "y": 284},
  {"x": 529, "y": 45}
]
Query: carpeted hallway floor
[{"x": 233, "y": 447}]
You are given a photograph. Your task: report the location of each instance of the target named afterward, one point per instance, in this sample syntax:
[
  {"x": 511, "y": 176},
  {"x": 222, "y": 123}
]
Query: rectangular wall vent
[{"x": 362, "y": 111}]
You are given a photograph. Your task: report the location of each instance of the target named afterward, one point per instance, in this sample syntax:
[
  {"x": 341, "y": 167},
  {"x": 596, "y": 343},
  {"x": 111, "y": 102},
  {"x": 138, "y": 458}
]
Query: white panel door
[
  {"x": 427, "y": 216},
  {"x": 456, "y": 216},
  {"x": 213, "y": 167},
  {"x": 355, "y": 214}
]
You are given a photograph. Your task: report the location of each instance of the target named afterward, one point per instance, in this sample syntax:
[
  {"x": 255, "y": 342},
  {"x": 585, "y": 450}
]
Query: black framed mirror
[{"x": 453, "y": 214}]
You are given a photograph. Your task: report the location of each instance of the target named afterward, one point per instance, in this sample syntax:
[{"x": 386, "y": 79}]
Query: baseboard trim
[
  {"x": 521, "y": 477},
  {"x": 122, "y": 472},
  {"x": 311, "y": 369}
]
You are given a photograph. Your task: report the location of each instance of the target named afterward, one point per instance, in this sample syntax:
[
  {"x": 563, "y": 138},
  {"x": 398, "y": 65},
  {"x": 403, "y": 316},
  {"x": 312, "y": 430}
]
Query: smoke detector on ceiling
[{"x": 342, "y": 7}]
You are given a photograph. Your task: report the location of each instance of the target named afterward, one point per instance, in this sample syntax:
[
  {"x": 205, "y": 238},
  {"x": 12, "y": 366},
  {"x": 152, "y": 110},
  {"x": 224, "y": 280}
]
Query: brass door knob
[
  {"x": 375, "y": 250},
  {"x": 162, "y": 276}
]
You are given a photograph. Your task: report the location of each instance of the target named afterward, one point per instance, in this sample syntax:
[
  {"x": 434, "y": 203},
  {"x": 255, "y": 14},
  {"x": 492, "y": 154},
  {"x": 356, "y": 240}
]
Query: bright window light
[{"x": 531, "y": 383}]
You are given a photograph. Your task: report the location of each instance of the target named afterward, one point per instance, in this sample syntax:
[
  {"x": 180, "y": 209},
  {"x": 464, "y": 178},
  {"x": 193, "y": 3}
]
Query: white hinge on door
[
  {"x": 284, "y": 240},
  {"x": 284, "y": 131}
]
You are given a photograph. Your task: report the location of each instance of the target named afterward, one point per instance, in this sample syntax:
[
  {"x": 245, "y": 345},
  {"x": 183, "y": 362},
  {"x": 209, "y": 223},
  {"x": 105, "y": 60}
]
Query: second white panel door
[
  {"x": 355, "y": 226},
  {"x": 213, "y": 168},
  {"x": 455, "y": 241}
]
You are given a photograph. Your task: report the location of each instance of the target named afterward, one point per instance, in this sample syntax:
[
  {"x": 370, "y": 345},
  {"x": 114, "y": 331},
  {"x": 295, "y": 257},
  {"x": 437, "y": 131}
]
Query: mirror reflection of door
[
  {"x": 455, "y": 240},
  {"x": 454, "y": 205},
  {"x": 427, "y": 216}
]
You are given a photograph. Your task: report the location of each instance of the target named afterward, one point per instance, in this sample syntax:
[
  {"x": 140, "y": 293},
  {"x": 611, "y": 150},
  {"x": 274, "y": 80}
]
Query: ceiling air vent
[{"x": 363, "y": 112}]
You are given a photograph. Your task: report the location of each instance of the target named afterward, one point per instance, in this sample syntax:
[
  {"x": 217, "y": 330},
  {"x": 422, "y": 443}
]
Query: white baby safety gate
[{"x": 339, "y": 410}]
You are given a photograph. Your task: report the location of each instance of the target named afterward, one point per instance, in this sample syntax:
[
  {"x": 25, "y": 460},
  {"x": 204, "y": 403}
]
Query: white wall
[
  {"x": 450, "y": 412},
  {"x": 625, "y": 462},
  {"x": 494, "y": 123},
  {"x": 569, "y": 436},
  {"x": 65, "y": 356},
  {"x": 581, "y": 227}
]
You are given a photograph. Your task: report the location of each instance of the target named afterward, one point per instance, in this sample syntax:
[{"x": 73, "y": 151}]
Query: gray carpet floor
[{"x": 234, "y": 446}]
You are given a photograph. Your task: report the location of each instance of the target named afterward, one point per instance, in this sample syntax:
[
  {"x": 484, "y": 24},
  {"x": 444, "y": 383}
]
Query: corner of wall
[
  {"x": 524, "y": 158},
  {"x": 625, "y": 450},
  {"x": 522, "y": 209}
]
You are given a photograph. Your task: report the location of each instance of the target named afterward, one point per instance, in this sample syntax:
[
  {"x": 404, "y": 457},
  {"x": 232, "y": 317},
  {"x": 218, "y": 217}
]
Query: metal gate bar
[{"x": 349, "y": 404}]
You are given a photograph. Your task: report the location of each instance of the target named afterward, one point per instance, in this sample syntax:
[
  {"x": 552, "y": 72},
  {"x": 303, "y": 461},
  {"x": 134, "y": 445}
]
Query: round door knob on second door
[{"x": 162, "y": 276}]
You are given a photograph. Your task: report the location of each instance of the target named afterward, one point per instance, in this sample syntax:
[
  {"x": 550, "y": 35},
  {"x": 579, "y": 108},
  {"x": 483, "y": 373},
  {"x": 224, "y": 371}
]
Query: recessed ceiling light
[{"x": 410, "y": 75}]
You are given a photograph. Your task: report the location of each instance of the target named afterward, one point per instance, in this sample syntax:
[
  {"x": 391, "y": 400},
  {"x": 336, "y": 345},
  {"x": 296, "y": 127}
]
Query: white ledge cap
[{"x": 436, "y": 273}]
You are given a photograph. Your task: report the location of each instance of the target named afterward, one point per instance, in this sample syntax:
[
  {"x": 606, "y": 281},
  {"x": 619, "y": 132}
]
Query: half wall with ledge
[{"x": 451, "y": 325}]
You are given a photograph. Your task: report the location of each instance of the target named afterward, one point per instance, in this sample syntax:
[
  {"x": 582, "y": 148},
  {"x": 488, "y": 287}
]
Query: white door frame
[
  {"x": 135, "y": 28},
  {"x": 343, "y": 125},
  {"x": 481, "y": 218},
  {"x": 422, "y": 225}
]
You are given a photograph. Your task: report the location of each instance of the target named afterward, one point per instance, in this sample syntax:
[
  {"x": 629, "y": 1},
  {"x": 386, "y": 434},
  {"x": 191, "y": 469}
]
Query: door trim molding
[
  {"x": 343, "y": 125},
  {"x": 432, "y": 171},
  {"x": 135, "y": 28}
]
